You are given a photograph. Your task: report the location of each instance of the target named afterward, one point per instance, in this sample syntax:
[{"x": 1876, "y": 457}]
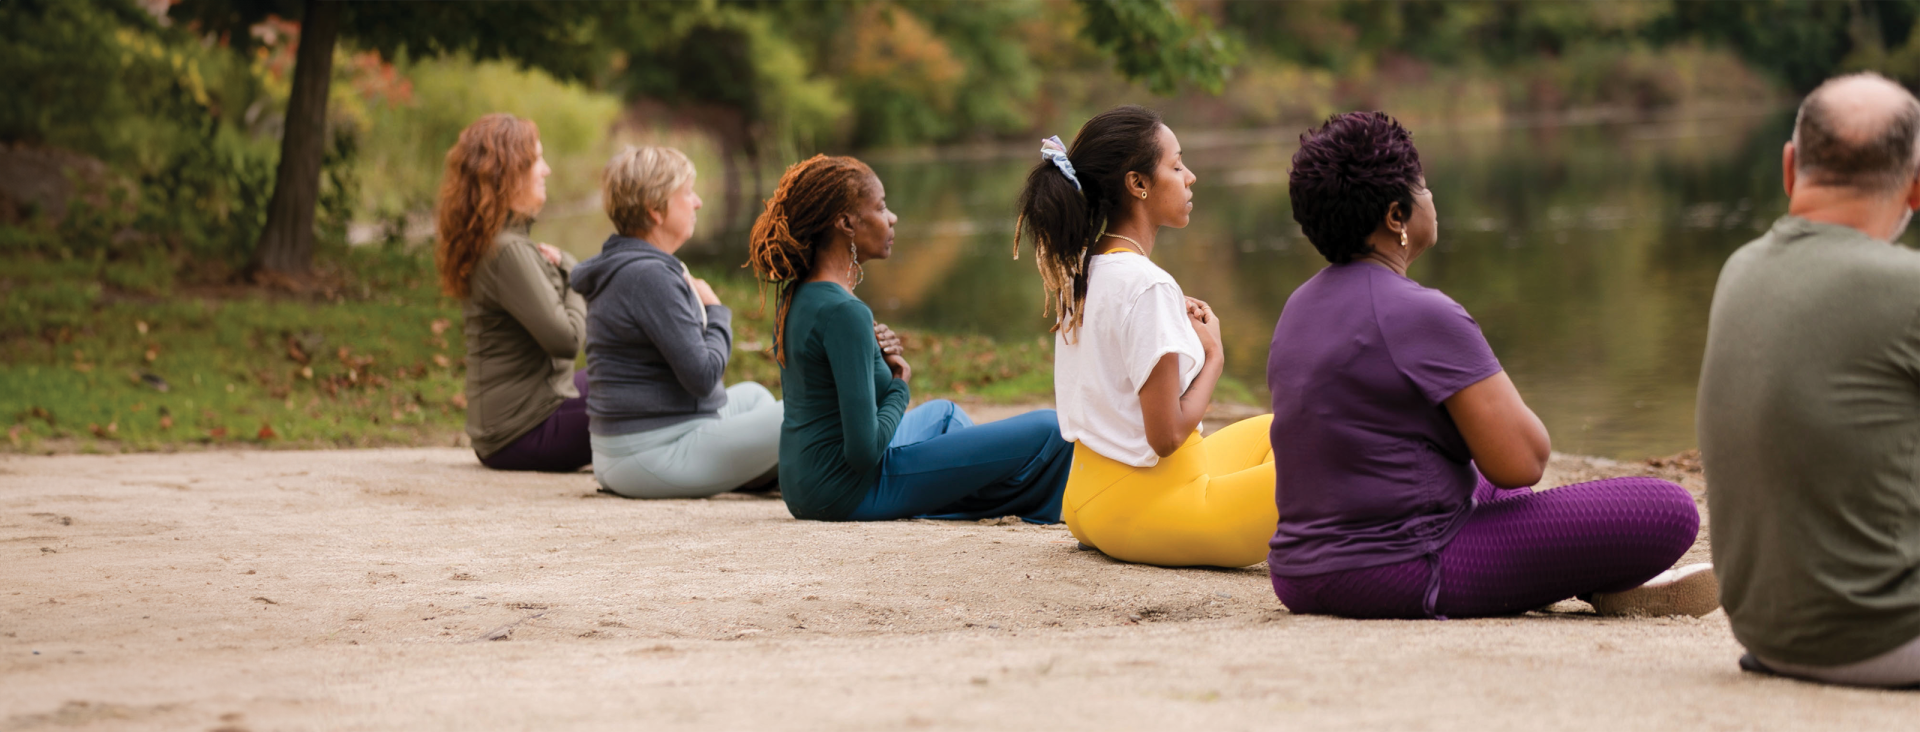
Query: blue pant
[{"x": 940, "y": 465}]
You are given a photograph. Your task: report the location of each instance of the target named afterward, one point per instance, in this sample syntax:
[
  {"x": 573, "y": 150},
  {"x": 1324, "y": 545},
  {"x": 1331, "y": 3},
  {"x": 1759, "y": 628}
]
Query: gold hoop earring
[
  {"x": 1403, "y": 238},
  {"x": 856, "y": 274},
  {"x": 1143, "y": 194}
]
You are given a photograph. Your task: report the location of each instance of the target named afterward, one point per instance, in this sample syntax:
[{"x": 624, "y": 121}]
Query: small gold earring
[{"x": 1143, "y": 194}]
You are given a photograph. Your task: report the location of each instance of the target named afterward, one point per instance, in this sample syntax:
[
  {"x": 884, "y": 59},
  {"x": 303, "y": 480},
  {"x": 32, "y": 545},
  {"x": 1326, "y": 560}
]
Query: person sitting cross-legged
[
  {"x": 1809, "y": 406},
  {"x": 1403, "y": 452},
  {"x": 658, "y": 341}
]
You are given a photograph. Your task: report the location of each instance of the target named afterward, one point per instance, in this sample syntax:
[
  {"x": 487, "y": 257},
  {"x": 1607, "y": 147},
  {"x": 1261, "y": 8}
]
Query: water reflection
[{"x": 1587, "y": 254}]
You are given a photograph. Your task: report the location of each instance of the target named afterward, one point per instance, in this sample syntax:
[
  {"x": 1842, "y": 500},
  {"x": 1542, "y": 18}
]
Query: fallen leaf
[
  {"x": 440, "y": 359},
  {"x": 266, "y": 432},
  {"x": 96, "y": 429},
  {"x": 166, "y": 422},
  {"x": 306, "y": 372},
  {"x": 13, "y": 433},
  {"x": 140, "y": 325},
  {"x": 440, "y": 325},
  {"x": 459, "y": 400},
  {"x": 154, "y": 380},
  {"x": 296, "y": 353},
  {"x": 218, "y": 433}
]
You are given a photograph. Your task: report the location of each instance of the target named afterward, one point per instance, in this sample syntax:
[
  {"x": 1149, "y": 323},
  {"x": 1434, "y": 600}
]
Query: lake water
[{"x": 1588, "y": 254}]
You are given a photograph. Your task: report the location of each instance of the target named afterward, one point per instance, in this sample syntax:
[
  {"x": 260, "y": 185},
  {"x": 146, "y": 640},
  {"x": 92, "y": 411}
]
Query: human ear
[
  {"x": 1396, "y": 218},
  {"x": 1786, "y": 167}
]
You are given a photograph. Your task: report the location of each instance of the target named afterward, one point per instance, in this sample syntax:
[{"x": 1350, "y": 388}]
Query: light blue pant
[{"x": 696, "y": 458}]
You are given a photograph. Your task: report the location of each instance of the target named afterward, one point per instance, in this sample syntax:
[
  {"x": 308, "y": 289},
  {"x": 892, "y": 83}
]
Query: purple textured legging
[{"x": 1519, "y": 551}]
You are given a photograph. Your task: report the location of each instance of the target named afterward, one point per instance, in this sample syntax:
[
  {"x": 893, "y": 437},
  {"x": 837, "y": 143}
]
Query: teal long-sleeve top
[{"x": 842, "y": 404}]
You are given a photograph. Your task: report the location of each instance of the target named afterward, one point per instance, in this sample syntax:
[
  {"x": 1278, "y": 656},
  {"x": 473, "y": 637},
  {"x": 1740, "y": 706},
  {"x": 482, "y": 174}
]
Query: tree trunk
[{"x": 286, "y": 245}]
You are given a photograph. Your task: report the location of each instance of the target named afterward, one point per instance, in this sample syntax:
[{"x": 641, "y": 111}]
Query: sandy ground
[{"x": 413, "y": 589}]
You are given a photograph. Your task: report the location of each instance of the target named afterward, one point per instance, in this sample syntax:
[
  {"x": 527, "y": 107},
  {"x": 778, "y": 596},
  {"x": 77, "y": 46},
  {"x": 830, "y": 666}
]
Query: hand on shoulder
[{"x": 702, "y": 290}]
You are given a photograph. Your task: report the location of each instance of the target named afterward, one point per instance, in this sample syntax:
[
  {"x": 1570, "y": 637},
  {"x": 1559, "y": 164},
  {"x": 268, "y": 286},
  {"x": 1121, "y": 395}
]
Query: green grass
[
  {"x": 374, "y": 360},
  {"x": 81, "y": 364}
]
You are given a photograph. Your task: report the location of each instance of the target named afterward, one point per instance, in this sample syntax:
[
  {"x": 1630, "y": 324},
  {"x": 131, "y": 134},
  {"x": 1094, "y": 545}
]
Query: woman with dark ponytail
[
  {"x": 1136, "y": 360},
  {"x": 850, "y": 450}
]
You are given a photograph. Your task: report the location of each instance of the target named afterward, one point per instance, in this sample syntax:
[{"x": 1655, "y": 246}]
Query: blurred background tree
[{"x": 228, "y": 136}]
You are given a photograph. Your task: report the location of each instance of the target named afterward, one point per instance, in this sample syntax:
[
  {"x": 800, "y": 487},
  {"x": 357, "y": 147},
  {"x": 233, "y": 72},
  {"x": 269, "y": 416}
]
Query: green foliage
[
  {"x": 177, "y": 123},
  {"x": 806, "y": 75},
  {"x": 1152, "y": 42},
  {"x": 67, "y": 65},
  {"x": 399, "y": 163},
  {"x": 739, "y": 68}
]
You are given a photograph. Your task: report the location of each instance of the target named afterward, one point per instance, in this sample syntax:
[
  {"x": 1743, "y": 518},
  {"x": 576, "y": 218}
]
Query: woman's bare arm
[
  {"x": 1169, "y": 414},
  {"x": 1508, "y": 442}
]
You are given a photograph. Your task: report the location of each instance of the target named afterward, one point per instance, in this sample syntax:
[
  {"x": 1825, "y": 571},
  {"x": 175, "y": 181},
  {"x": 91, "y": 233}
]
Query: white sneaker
[{"x": 1690, "y": 590}]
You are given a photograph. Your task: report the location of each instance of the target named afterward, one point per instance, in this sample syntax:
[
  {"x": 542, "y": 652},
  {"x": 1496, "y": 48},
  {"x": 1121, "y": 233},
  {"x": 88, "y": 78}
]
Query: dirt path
[{"x": 359, "y": 590}]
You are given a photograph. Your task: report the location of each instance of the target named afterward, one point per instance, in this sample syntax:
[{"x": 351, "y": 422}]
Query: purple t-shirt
[{"x": 1369, "y": 467}]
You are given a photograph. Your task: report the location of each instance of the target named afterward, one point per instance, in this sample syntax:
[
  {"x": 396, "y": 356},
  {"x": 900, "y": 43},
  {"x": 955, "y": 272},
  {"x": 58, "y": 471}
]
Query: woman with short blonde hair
[
  {"x": 525, "y": 405},
  {"x": 638, "y": 183},
  {"x": 658, "y": 340}
]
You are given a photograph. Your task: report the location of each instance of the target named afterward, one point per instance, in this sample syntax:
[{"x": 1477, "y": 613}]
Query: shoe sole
[{"x": 1694, "y": 594}]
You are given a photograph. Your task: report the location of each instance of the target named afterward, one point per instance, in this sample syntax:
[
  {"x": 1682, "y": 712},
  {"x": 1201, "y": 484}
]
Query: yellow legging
[{"x": 1210, "y": 503}]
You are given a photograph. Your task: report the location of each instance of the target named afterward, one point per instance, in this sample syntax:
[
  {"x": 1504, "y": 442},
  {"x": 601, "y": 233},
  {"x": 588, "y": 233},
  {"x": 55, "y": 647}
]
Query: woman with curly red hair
[
  {"x": 850, "y": 450},
  {"x": 1403, "y": 451},
  {"x": 525, "y": 404}
]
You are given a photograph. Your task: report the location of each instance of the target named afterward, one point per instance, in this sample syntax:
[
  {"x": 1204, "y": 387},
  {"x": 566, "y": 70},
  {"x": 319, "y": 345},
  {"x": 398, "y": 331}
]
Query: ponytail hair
[
  {"x": 1066, "y": 220},
  {"x": 798, "y": 220}
]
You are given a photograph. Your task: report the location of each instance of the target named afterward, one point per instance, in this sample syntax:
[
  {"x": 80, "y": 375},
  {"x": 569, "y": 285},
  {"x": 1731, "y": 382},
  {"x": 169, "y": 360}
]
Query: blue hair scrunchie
[{"x": 1053, "y": 150}]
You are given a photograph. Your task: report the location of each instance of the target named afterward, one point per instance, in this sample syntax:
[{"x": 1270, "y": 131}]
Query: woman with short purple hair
[{"x": 1403, "y": 454}]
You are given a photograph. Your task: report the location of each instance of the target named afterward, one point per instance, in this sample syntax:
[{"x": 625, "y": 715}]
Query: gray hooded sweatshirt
[{"x": 655, "y": 356}]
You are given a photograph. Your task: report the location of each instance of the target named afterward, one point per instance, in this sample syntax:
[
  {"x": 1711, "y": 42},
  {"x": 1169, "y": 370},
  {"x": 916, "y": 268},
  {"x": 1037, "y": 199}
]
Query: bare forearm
[{"x": 1199, "y": 394}]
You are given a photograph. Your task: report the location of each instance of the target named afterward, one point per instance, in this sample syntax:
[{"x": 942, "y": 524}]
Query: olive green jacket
[{"x": 523, "y": 327}]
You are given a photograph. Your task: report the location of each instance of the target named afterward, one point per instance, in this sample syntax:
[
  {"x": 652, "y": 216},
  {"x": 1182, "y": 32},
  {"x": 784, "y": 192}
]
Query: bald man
[{"x": 1809, "y": 407}]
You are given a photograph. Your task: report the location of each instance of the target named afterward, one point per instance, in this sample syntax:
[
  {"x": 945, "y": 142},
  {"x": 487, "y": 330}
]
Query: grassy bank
[{"x": 374, "y": 359}]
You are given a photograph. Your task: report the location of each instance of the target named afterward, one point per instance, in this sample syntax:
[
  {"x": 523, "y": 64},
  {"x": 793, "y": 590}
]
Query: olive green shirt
[
  {"x": 1809, "y": 422},
  {"x": 523, "y": 328}
]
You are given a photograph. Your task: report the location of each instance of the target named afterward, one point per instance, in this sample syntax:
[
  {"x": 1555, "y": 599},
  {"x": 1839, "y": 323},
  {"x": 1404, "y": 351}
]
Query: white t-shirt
[{"x": 1134, "y": 314}]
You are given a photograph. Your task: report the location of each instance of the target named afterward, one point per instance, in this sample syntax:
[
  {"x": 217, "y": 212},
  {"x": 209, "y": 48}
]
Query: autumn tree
[{"x": 552, "y": 36}]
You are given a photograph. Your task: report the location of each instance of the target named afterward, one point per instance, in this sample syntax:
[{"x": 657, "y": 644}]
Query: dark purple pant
[
  {"x": 558, "y": 445},
  {"x": 1519, "y": 551}
]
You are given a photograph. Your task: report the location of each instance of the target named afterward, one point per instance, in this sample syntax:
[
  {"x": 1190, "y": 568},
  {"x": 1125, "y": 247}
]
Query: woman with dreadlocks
[
  {"x": 850, "y": 450},
  {"x": 1136, "y": 360}
]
